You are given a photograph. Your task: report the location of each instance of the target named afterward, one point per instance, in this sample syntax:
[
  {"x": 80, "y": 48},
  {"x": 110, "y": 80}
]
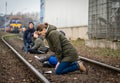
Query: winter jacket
[
  {"x": 28, "y": 34},
  {"x": 59, "y": 44},
  {"x": 39, "y": 44}
]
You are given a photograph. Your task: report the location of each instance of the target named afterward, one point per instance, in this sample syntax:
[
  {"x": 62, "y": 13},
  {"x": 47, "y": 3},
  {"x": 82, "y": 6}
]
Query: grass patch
[
  {"x": 11, "y": 36},
  {"x": 80, "y": 46}
]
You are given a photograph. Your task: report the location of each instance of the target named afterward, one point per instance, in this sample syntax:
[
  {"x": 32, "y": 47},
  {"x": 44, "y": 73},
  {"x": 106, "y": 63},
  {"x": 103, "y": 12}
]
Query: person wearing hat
[{"x": 63, "y": 49}]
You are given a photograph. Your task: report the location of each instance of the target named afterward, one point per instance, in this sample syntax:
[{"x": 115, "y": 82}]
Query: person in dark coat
[
  {"x": 64, "y": 51},
  {"x": 27, "y": 37}
]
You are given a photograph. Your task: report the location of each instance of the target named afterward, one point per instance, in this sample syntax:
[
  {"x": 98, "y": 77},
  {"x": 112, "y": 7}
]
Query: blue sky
[{"x": 20, "y": 6}]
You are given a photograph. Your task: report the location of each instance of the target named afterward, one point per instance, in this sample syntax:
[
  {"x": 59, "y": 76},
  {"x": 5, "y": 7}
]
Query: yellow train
[{"x": 15, "y": 26}]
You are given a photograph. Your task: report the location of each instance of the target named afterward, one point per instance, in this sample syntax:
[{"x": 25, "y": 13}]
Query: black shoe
[
  {"x": 43, "y": 59},
  {"x": 47, "y": 64},
  {"x": 47, "y": 49}
]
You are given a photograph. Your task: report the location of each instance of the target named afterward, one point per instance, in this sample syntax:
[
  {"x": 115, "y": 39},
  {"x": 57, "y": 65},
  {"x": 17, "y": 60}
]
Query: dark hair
[
  {"x": 42, "y": 26},
  {"x": 31, "y": 23}
]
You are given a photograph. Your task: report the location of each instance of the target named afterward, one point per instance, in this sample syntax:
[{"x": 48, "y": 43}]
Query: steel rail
[
  {"x": 99, "y": 63},
  {"x": 35, "y": 71}
]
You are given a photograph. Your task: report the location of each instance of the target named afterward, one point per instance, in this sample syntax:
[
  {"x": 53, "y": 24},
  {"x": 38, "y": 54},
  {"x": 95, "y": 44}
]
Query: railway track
[
  {"x": 112, "y": 71},
  {"x": 100, "y": 64},
  {"x": 33, "y": 69}
]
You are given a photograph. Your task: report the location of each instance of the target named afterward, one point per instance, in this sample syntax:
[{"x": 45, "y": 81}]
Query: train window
[
  {"x": 18, "y": 21},
  {"x": 13, "y": 21}
]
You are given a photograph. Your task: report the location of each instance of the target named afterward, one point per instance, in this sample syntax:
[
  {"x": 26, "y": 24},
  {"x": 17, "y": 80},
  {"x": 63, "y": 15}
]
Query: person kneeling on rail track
[
  {"x": 49, "y": 61},
  {"x": 64, "y": 51},
  {"x": 27, "y": 37},
  {"x": 39, "y": 47}
]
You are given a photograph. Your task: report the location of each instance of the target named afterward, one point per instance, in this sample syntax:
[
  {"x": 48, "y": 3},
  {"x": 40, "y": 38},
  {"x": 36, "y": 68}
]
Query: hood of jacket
[{"x": 50, "y": 28}]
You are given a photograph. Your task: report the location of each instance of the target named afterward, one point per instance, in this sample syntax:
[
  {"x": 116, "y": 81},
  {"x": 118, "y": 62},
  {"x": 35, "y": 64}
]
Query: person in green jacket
[
  {"x": 66, "y": 54},
  {"x": 39, "y": 46}
]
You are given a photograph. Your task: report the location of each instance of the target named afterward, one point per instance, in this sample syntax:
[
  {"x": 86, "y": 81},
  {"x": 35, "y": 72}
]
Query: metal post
[
  {"x": 42, "y": 10},
  {"x": 5, "y": 14},
  {"x": 5, "y": 23}
]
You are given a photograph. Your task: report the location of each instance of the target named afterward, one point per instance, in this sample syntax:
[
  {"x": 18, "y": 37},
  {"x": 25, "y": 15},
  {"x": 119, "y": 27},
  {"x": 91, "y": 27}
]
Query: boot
[{"x": 82, "y": 67}]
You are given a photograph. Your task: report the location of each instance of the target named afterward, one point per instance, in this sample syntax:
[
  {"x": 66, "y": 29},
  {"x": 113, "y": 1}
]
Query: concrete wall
[
  {"x": 76, "y": 32},
  {"x": 102, "y": 44}
]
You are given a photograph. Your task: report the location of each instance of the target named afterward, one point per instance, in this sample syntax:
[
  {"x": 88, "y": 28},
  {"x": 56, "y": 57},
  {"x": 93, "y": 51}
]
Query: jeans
[
  {"x": 65, "y": 67},
  {"x": 27, "y": 46}
]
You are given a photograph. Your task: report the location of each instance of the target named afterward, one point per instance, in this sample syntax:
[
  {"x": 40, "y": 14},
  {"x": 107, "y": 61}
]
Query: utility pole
[
  {"x": 5, "y": 14},
  {"x": 42, "y": 10}
]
